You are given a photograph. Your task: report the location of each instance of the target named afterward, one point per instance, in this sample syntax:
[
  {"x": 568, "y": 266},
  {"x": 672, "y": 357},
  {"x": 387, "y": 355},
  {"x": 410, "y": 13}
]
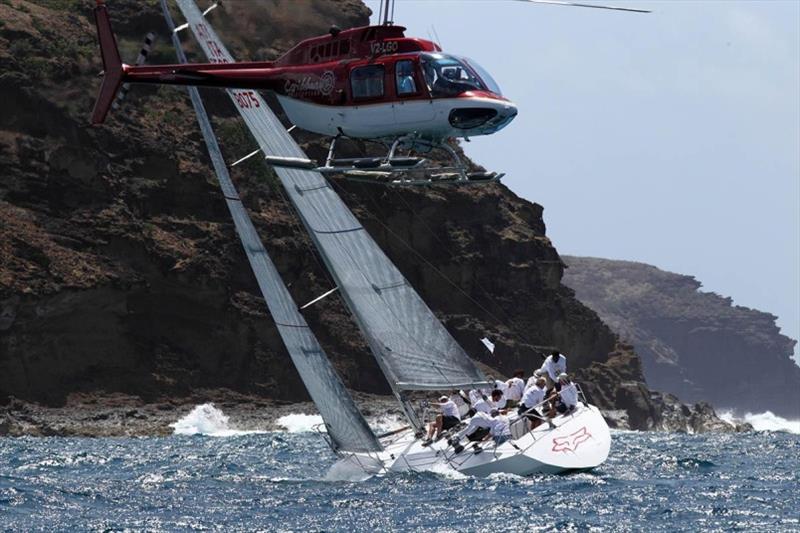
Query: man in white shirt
[
  {"x": 533, "y": 379},
  {"x": 529, "y": 406},
  {"x": 554, "y": 365},
  {"x": 500, "y": 428},
  {"x": 498, "y": 399},
  {"x": 516, "y": 386},
  {"x": 478, "y": 402},
  {"x": 447, "y": 419},
  {"x": 477, "y": 429},
  {"x": 565, "y": 398}
]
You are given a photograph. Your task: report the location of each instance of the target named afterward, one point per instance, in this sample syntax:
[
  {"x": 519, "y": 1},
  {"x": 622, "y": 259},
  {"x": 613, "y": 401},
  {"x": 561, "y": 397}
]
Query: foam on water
[
  {"x": 303, "y": 423},
  {"x": 767, "y": 421},
  {"x": 207, "y": 420},
  {"x": 300, "y": 423}
]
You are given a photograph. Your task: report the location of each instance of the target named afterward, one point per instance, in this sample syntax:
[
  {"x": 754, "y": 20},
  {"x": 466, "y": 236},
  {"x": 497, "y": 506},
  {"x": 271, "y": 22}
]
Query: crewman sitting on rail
[
  {"x": 500, "y": 429},
  {"x": 554, "y": 365},
  {"x": 516, "y": 386},
  {"x": 476, "y": 430},
  {"x": 532, "y": 397},
  {"x": 447, "y": 419},
  {"x": 565, "y": 399}
]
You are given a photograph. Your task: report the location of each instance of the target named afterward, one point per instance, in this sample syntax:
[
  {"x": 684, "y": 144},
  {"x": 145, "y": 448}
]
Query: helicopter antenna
[
  {"x": 388, "y": 12},
  {"x": 594, "y": 6}
]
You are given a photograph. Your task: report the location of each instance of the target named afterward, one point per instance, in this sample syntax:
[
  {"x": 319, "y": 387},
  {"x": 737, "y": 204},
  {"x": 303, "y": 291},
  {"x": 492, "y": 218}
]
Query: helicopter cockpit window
[
  {"x": 448, "y": 76},
  {"x": 367, "y": 81},
  {"x": 404, "y": 76}
]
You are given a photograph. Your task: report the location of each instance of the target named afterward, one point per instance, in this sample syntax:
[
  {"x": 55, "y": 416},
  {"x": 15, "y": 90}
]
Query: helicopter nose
[
  {"x": 485, "y": 118},
  {"x": 505, "y": 114}
]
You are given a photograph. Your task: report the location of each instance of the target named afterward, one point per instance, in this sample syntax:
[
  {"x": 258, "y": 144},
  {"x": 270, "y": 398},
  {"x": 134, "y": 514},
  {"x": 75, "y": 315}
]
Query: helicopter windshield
[{"x": 448, "y": 76}]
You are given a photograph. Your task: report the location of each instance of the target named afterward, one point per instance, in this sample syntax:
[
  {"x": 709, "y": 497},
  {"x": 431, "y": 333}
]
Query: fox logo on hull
[{"x": 571, "y": 442}]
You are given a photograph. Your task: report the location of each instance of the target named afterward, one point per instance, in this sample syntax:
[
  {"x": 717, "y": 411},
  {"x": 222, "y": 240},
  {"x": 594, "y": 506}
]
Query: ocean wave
[
  {"x": 766, "y": 421},
  {"x": 207, "y": 420}
]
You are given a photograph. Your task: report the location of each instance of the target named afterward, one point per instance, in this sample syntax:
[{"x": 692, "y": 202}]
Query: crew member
[
  {"x": 500, "y": 428},
  {"x": 554, "y": 365},
  {"x": 476, "y": 430},
  {"x": 516, "y": 386},
  {"x": 531, "y": 399},
  {"x": 565, "y": 399},
  {"x": 447, "y": 419},
  {"x": 479, "y": 402},
  {"x": 498, "y": 399}
]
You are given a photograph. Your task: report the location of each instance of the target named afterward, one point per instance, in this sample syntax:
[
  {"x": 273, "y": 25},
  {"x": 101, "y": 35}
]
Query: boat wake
[
  {"x": 766, "y": 421},
  {"x": 207, "y": 420}
]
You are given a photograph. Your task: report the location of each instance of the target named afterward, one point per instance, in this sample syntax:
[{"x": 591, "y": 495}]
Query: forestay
[
  {"x": 346, "y": 427},
  {"x": 412, "y": 347}
]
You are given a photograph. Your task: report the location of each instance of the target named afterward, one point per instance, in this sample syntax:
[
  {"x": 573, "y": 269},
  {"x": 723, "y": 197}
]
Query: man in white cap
[
  {"x": 565, "y": 399},
  {"x": 533, "y": 379},
  {"x": 447, "y": 419}
]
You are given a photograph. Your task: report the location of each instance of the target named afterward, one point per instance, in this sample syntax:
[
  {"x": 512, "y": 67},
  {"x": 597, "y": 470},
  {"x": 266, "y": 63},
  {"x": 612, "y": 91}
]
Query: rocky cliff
[
  {"x": 120, "y": 272},
  {"x": 694, "y": 344}
]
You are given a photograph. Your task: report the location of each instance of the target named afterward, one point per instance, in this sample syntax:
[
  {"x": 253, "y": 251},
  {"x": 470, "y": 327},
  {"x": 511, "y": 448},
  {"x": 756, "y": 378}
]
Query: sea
[{"x": 211, "y": 476}]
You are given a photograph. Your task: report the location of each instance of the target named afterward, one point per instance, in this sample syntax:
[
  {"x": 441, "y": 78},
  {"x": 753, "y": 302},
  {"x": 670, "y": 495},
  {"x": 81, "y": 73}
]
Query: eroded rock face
[
  {"x": 120, "y": 271},
  {"x": 694, "y": 344}
]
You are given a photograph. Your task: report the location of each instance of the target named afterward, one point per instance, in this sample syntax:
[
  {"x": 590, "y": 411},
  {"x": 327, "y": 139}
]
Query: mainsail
[
  {"x": 346, "y": 427},
  {"x": 412, "y": 347}
]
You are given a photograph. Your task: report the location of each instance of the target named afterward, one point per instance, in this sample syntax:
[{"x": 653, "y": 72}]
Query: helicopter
[{"x": 371, "y": 83}]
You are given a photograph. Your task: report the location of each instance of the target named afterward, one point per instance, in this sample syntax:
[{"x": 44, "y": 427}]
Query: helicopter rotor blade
[{"x": 594, "y": 6}]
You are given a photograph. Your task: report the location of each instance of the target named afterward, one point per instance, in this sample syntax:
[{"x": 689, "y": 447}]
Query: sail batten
[
  {"x": 347, "y": 429},
  {"x": 393, "y": 318}
]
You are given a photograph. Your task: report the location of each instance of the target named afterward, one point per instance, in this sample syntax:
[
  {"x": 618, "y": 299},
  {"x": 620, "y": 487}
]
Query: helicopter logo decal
[
  {"x": 311, "y": 84},
  {"x": 571, "y": 442}
]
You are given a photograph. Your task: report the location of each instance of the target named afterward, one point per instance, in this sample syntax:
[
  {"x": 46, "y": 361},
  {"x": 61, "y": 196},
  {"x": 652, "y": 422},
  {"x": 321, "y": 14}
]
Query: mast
[
  {"x": 347, "y": 429},
  {"x": 412, "y": 348}
]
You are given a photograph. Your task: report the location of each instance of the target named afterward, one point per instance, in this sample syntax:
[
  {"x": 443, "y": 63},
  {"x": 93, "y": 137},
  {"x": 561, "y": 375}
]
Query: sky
[{"x": 671, "y": 138}]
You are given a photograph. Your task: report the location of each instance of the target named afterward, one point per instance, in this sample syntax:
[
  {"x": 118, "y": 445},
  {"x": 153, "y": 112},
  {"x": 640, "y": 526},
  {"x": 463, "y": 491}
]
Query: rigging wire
[
  {"x": 293, "y": 217},
  {"x": 424, "y": 260}
]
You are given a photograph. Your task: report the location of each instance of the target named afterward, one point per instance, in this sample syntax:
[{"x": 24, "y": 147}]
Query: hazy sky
[{"x": 671, "y": 138}]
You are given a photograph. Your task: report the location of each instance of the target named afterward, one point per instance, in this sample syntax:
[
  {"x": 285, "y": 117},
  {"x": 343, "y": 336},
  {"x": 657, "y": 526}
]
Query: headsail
[
  {"x": 346, "y": 427},
  {"x": 412, "y": 347}
]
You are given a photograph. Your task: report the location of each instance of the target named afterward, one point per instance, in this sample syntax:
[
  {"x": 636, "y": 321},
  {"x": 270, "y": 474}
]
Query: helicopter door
[{"x": 410, "y": 107}]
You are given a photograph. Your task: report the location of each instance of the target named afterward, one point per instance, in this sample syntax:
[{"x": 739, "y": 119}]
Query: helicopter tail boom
[{"x": 113, "y": 69}]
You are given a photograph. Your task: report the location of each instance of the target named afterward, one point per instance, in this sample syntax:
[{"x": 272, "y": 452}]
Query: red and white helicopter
[{"x": 369, "y": 83}]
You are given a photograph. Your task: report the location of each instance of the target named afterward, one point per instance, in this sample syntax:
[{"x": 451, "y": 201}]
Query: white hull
[
  {"x": 579, "y": 441},
  {"x": 428, "y": 118}
]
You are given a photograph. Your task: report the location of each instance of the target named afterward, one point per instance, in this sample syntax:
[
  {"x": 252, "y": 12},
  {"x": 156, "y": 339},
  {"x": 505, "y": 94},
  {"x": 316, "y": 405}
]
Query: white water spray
[
  {"x": 207, "y": 420},
  {"x": 767, "y": 421}
]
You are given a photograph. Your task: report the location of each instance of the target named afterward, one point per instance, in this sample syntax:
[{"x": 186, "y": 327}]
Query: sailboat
[{"x": 411, "y": 346}]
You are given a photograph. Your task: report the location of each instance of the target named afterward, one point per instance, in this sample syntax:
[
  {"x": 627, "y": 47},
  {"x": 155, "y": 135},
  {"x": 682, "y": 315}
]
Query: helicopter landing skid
[{"x": 405, "y": 171}]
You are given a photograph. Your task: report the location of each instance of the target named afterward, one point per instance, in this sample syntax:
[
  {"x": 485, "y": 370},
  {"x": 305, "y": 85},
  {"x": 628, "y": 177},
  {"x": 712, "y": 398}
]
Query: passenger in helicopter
[
  {"x": 405, "y": 78},
  {"x": 448, "y": 418}
]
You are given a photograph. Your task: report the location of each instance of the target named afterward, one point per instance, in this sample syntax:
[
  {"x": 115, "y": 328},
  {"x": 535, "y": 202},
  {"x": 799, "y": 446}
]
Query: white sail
[
  {"x": 412, "y": 347},
  {"x": 347, "y": 429}
]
